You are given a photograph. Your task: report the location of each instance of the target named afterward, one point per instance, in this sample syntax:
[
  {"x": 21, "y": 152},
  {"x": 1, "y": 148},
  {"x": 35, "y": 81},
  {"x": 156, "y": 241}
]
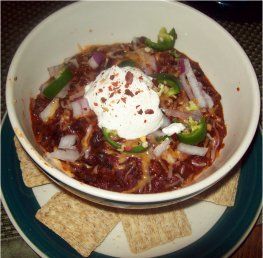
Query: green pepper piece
[
  {"x": 107, "y": 135},
  {"x": 58, "y": 84},
  {"x": 137, "y": 149},
  {"x": 196, "y": 136},
  {"x": 172, "y": 91},
  {"x": 169, "y": 80},
  {"x": 165, "y": 40},
  {"x": 175, "y": 54},
  {"x": 126, "y": 63}
]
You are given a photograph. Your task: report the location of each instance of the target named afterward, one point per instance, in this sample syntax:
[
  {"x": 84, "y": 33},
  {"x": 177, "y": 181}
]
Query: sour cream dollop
[{"x": 123, "y": 100}]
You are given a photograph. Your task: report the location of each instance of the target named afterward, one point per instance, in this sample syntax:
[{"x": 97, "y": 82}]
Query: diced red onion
[
  {"x": 163, "y": 146},
  {"x": 192, "y": 150},
  {"x": 181, "y": 66},
  {"x": 80, "y": 107},
  {"x": 74, "y": 62},
  {"x": 183, "y": 115},
  {"x": 96, "y": 59},
  {"x": 208, "y": 99},
  {"x": 196, "y": 114},
  {"x": 186, "y": 87},
  {"x": 66, "y": 155},
  {"x": 92, "y": 63},
  {"x": 150, "y": 65},
  {"x": 76, "y": 107},
  {"x": 173, "y": 128},
  {"x": 67, "y": 141},
  {"x": 201, "y": 164},
  {"x": 148, "y": 61},
  {"x": 197, "y": 91},
  {"x": 55, "y": 71},
  {"x": 166, "y": 122},
  {"x": 84, "y": 103},
  {"x": 49, "y": 110},
  {"x": 176, "y": 113}
]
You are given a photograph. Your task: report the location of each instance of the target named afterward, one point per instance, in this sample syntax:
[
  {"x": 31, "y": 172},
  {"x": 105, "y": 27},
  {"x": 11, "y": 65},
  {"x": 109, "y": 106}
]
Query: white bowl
[{"x": 219, "y": 55}]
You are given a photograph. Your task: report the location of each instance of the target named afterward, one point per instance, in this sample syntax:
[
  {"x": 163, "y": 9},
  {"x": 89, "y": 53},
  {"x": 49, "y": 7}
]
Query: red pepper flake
[
  {"x": 111, "y": 95},
  {"x": 137, "y": 92},
  {"x": 95, "y": 104},
  {"x": 129, "y": 79},
  {"x": 140, "y": 112},
  {"x": 238, "y": 89},
  {"x": 110, "y": 88},
  {"x": 112, "y": 77},
  {"x": 115, "y": 84},
  {"x": 119, "y": 91},
  {"x": 100, "y": 90},
  {"x": 129, "y": 93},
  {"x": 123, "y": 99},
  {"x": 137, "y": 106},
  {"x": 145, "y": 121},
  {"x": 103, "y": 100},
  {"x": 140, "y": 78},
  {"x": 148, "y": 111}
]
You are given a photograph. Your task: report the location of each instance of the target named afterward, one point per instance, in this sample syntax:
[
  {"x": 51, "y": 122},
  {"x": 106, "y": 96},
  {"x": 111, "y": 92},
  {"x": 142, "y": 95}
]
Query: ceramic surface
[{"x": 219, "y": 55}]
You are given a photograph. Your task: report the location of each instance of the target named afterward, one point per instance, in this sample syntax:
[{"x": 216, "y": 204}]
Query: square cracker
[
  {"x": 146, "y": 229},
  {"x": 32, "y": 176},
  {"x": 81, "y": 224},
  {"x": 224, "y": 192}
]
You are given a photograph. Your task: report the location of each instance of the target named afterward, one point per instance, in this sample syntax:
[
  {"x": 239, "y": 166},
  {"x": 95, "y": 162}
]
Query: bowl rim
[{"x": 125, "y": 197}]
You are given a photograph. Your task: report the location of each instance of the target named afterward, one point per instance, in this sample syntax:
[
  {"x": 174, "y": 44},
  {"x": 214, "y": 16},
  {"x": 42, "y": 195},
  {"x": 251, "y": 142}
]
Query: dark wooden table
[
  {"x": 244, "y": 22},
  {"x": 252, "y": 247}
]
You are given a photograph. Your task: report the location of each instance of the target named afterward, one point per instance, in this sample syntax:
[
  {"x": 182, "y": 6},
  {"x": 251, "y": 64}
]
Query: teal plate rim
[{"x": 222, "y": 239}]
